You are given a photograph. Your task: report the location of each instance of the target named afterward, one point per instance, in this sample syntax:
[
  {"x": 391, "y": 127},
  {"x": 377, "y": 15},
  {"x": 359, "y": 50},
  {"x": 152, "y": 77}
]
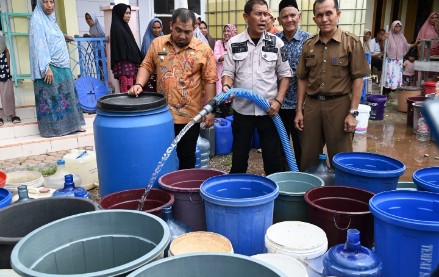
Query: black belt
[{"x": 326, "y": 97}]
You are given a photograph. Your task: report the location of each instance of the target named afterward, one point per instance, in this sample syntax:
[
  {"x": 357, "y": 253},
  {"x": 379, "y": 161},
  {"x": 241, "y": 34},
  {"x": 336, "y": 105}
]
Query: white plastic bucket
[
  {"x": 83, "y": 163},
  {"x": 362, "y": 118},
  {"x": 288, "y": 265},
  {"x": 201, "y": 241},
  {"x": 303, "y": 241}
]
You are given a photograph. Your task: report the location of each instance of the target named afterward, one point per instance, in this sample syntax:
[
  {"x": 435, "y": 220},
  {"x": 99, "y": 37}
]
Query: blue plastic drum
[
  {"x": 427, "y": 179},
  {"x": 240, "y": 207},
  {"x": 131, "y": 136}
]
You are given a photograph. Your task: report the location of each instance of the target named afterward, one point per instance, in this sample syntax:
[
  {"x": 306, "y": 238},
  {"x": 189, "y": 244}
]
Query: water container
[
  {"x": 223, "y": 136},
  {"x": 209, "y": 134},
  {"x": 322, "y": 171},
  {"x": 197, "y": 156},
  {"x": 208, "y": 264},
  {"x": 5, "y": 197},
  {"x": 201, "y": 241},
  {"x": 410, "y": 102},
  {"x": 83, "y": 163},
  {"x": 94, "y": 244},
  {"x": 56, "y": 181},
  {"x": 407, "y": 226},
  {"x": 377, "y": 104},
  {"x": 176, "y": 227},
  {"x": 204, "y": 152},
  {"x": 300, "y": 240},
  {"x": 185, "y": 186},
  {"x": 368, "y": 171},
  {"x": 131, "y": 135},
  {"x": 23, "y": 195},
  {"x": 288, "y": 265},
  {"x": 34, "y": 214},
  {"x": 351, "y": 259},
  {"x": 427, "y": 178},
  {"x": 70, "y": 190},
  {"x": 429, "y": 87},
  {"x": 240, "y": 207}
]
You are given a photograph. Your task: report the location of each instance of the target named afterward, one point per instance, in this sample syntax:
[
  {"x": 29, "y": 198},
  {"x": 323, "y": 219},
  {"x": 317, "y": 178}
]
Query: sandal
[
  {"x": 82, "y": 130},
  {"x": 15, "y": 119},
  {"x": 1, "y": 121}
]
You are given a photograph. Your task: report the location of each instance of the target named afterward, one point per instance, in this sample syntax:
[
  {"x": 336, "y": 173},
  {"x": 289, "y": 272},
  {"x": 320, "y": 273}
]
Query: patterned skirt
[{"x": 58, "y": 110}]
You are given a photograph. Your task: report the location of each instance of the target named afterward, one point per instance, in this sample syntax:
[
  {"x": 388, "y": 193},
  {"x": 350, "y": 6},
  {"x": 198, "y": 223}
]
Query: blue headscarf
[
  {"x": 46, "y": 43},
  {"x": 96, "y": 30},
  {"x": 149, "y": 36}
]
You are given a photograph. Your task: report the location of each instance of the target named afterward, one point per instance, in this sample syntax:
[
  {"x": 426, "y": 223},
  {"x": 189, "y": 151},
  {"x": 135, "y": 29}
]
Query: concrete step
[{"x": 23, "y": 139}]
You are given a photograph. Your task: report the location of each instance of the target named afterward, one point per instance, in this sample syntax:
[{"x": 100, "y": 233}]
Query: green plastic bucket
[
  {"x": 100, "y": 243},
  {"x": 208, "y": 264},
  {"x": 290, "y": 204}
]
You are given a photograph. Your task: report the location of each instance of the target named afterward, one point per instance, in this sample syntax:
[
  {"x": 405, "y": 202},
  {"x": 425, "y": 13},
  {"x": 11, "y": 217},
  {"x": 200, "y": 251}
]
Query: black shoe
[
  {"x": 1, "y": 122},
  {"x": 15, "y": 119}
]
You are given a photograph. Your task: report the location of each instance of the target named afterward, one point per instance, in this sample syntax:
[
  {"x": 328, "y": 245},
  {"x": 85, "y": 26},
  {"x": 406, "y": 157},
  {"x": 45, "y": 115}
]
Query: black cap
[{"x": 287, "y": 3}]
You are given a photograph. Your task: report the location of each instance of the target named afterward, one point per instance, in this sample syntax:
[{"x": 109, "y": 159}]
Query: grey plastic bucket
[
  {"x": 208, "y": 264},
  {"x": 100, "y": 243},
  {"x": 290, "y": 204},
  {"x": 19, "y": 219}
]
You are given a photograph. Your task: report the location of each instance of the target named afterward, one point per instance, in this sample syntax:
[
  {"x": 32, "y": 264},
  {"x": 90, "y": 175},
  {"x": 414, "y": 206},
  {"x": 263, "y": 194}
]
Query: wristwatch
[{"x": 354, "y": 112}]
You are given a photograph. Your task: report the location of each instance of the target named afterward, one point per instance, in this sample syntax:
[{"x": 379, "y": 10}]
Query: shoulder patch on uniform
[
  {"x": 352, "y": 35},
  {"x": 283, "y": 53}
]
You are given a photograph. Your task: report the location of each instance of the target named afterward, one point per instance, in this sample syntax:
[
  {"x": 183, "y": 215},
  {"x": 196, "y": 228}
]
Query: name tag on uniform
[
  {"x": 269, "y": 49},
  {"x": 162, "y": 53},
  {"x": 239, "y": 47}
]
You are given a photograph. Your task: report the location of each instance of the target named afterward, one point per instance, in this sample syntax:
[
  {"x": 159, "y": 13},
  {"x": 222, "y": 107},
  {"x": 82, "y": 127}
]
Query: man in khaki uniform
[
  {"x": 330, "y": 80},
  {"x": 256, "y": 61}
]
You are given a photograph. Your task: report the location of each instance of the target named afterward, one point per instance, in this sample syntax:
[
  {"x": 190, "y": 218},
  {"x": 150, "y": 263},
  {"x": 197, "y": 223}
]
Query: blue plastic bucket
[
  {"x": 131, "y": 135},
  {"x": 240, "y": 207},
  {"x": 223, "y": 136},
  {"x": 368, "y": 171},
  {"x": 290, "y": 204},
  {"x": 5, "y": 197},
  {"x": 407, "y": 231},
  {"x": 427, "y": 178}
]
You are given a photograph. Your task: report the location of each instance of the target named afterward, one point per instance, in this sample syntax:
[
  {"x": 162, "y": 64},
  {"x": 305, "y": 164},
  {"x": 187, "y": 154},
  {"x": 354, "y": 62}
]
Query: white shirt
[
  {"x": 374, "y": 46},
  {"x": 255, "y": 67}
]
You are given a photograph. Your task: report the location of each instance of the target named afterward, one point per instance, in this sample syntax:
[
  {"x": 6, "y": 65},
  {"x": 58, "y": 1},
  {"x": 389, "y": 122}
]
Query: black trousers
[
  {"x": 287, "y": 116},
  {"x": 242, "y": 128},
  {"x": 186, "y": 146}
]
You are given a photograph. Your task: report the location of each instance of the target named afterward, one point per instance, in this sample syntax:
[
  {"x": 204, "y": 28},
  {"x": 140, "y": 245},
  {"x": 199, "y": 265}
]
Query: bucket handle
[
  {"x": 336, "y": 225},
  {"x": 193, "y": 201}
]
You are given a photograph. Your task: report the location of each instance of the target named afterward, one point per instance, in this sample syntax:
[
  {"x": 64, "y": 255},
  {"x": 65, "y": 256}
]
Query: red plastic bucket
[
  {"x": 336, "y": 209},
  {"x": 2, "y": 179},
  {"x": 185, "y": 186},
  {"x": 129, "y": 200},
  {"x": 410, "y": 102},
  {"x": 429, "y": 87}
]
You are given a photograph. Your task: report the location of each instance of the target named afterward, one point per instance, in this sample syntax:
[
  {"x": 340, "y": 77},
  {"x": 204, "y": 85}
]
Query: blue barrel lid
[
  {"x": 427, "y": 178},
  {"x": 124, "y": 103},
  {"x": 89, "y": 91},
  {"x": 409, "y": 209}
]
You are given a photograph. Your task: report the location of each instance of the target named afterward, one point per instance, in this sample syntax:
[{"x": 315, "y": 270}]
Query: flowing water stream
[{"x": 161, "y": 163}]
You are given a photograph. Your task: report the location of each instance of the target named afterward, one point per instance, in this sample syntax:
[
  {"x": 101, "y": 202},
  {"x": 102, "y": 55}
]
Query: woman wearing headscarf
[
  {"x": 125, "y": 54},
  {"x": 153, "y": 30},
  {"x": 56, "y": 101},
  {"x": 366, "y": 47},
  {"x": 6, "y": 88},
  {"x": 397, "y": 47},
  {"x": 209, "y": 38},
  {"x": 96, "y": 29},
  {"x": 429, "y": 31},
  {"x": 229, "y": 31}
]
